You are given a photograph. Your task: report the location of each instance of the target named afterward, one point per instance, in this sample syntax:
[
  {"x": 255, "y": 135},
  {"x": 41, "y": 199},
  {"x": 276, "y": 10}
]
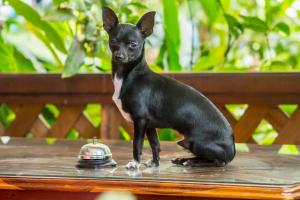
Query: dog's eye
[{"x": 132, "y": 44}]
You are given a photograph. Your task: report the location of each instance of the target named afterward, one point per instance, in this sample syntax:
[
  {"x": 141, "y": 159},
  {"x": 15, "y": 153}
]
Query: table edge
[{"x": 144, "y": 187}]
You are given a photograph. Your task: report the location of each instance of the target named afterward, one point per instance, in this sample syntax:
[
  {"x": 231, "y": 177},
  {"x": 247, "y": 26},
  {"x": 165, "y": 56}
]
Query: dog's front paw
[
  {"x": 133, "y": 165},
  {"x": 152, "y": 163}
]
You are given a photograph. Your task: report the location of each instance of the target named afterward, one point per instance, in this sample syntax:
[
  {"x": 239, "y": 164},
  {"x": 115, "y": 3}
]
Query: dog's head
[{"x": 126, "y": 41}]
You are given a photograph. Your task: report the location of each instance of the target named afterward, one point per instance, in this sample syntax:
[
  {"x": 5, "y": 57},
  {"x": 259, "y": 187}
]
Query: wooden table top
[{"x": 49, "y": 164}]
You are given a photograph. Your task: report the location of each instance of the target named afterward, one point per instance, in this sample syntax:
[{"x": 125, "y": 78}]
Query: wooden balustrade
[{"x": 27, "y": 94}]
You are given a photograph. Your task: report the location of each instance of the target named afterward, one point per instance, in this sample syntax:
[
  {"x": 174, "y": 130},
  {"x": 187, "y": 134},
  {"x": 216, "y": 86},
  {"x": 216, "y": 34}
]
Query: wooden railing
[{"x": 27, "y": 94}]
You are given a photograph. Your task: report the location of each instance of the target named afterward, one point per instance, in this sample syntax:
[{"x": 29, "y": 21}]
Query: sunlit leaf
[
  {"x": 235, "y": 27},
  {"x": 166, "y": 134},
  {"x": 34, "y": 18},
  {"x": 208, "y": 62},
  {"x": 59, "y": 15},
  {"x": 125, "y": 10},
  {"x": 289, "y": 149},
  {"x": 58, "y": 2},
  {"x": 289, "y": 109},
  {"x": 6, "y": 115},
  {"x": 172, "y": 33},
  {"x": 161, "y": 54},
  {"x": 255, "y": 24},
  {"x": 7, "y": 59},
  {"x": 73, "y": 134},
  {"x": 93, "y": 112},
  {"x": 155, "y": 68},
  {"x": 74, "y": 59},
  {"x": 50, "y": 140},
  {"x": 138, "y": 4},
  {"x": 124, "y": 135},
  {"x": 50, "y": 113},
  {"x": 241, "y": 147},
  {"x": 283, "y": 27},
  {"x": 277, "y": 66},
  {"x": 45, "y": 40},
  {"x": 24, "y": 64},
  {"x": 211, "y": 9}
]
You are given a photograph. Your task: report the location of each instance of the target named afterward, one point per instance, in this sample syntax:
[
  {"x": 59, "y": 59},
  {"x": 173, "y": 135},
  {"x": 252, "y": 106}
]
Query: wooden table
[{"x": 45, "y": 169}]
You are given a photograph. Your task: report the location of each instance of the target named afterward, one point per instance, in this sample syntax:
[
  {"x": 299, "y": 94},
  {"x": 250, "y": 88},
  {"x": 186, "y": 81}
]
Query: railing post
[{"x": 110, "y": 123}]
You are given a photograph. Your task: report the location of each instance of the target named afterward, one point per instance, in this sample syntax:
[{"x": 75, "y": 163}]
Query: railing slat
[
  {"x": 290, "y": 133},
  {"x": 227, "y": 114},
  {"x": 65, "y": 121},
  {"x": 40, "y": 127},
  {"x": 276, "y": 117},
  {"x": 249, "y": 121},
  {"x": 110, "y": 123},
  {"x": 25, "y": 117},
  {"x": 85, "y": 128}
]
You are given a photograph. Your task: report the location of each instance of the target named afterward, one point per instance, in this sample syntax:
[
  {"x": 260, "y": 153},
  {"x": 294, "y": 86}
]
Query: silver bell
[{"x": 95, "y": 155}]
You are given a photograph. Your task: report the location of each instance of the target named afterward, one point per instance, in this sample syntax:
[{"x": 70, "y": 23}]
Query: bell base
[{"x": 95, "y": 163}]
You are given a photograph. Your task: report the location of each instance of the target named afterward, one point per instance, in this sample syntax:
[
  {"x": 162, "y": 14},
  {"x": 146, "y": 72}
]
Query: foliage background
[{"x": 66, "y": 36}]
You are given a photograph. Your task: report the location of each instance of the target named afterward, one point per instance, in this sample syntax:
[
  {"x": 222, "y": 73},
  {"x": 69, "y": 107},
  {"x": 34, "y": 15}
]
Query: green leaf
[
  {"x": 24, "y": 64},
  {"x": 280, "y": 66},
  {"x": 78, "y": 5},
  {"x": 74, "y": 59},
  {"x": 241, "y": 147},
  {"x": 7, "y": 59},
  {"x": 6, "y": 115},
  {"x": 289, "y": 109},
  {"x": 235, "y": 27},
  {"x": 124, "y": 135},
  {"x": 50, "y": 113},
  {"x": 125, "y": 10},
  {"x": 204, "y": 63},
  {"x": 59, "y": 15},
  {"x": 172, "y": 33},
  {"x": 58, "y": 2},
  {"x": 137, "y": 4},
  {"x": 73, "y": 134},
  {"x": 50, "y": 140},
  {"x": 210, "y": 61},
  {"x": 283, "y": 27},
  {"x": 155, "y": 68},
  {"x": 255, "y": 24},
  {"x": 34, "y": 18},
  {"x": 289, "y": 149},
  {"x": 46, "y": 42},
  {"x": 161, "y": 54},
  {"x": 211, "y": 9},
  {"x": 166, "y": 134}
]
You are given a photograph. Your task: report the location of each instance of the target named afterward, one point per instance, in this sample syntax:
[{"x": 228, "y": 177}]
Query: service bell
[{"x": 95, "y": 155}]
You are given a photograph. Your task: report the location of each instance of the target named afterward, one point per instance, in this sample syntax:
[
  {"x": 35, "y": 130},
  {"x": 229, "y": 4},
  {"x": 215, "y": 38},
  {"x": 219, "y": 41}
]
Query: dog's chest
[{"x": 118, "y": 85}]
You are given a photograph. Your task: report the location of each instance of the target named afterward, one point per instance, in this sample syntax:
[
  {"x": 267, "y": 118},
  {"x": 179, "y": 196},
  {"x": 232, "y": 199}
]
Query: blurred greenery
[{"x": 66, "y": 36}]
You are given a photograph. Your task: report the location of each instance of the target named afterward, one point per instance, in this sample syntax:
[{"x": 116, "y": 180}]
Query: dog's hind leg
[
  {"x": 184, "y": 143},
  {"x": 208, "y": 155}
]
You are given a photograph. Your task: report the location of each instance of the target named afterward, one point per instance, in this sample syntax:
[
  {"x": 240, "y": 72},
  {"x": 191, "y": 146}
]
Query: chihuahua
[{"x": 150, "y": 100}]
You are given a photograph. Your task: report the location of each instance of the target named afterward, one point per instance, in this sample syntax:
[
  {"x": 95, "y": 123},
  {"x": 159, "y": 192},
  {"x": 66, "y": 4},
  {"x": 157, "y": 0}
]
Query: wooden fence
[{"x": 27, "y": 94}]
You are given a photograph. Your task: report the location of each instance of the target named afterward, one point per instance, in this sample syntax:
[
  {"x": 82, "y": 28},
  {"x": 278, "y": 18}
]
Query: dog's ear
[
  {"x": 146, "y": 23},
  {"x": 110, "y": 19}
]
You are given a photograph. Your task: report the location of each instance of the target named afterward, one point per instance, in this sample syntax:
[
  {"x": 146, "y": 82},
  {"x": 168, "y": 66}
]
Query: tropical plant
[{"x": 66, "y": 37}]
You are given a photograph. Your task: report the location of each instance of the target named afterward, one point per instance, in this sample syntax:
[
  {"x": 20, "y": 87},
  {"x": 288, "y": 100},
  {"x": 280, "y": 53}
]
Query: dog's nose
[{"x": 119, "y": 57}]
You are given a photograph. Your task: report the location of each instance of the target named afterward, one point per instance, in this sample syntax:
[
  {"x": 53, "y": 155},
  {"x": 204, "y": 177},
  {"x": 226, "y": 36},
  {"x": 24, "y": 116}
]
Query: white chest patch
[{"x": 118, "y": 85}]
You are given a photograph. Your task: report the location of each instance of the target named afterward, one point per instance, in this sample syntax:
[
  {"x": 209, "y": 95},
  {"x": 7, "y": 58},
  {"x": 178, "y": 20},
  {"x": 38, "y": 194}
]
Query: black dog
[{"x": 151, "y": 101}]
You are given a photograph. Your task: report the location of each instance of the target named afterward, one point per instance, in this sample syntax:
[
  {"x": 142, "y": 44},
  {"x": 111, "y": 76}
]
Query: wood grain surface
[{"x": 47, "y": 167}]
